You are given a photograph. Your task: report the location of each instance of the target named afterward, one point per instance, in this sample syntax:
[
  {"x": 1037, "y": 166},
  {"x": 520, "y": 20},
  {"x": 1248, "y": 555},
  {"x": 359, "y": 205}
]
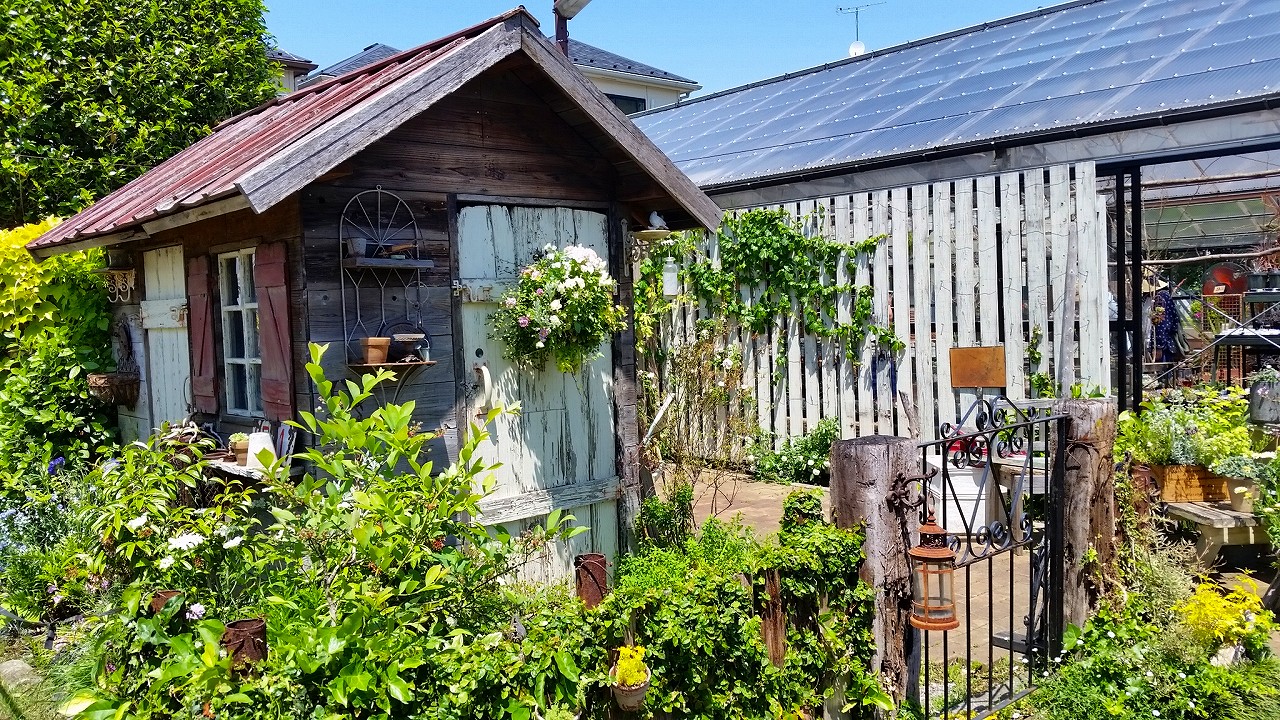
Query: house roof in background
[
  {"x": 1078, "y": 67},
  {"x": 368, "y": 56},
  {"x": 288, "y": 58},
  {"x": 591, "y": 56},
  {"x": 258, "y": 158}
]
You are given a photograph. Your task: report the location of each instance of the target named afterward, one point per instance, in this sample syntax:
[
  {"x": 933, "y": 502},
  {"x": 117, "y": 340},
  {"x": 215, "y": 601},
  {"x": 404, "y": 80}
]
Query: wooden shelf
[
  {"x": 358, "y": 366},
  {"x": 387, "y": 263}
]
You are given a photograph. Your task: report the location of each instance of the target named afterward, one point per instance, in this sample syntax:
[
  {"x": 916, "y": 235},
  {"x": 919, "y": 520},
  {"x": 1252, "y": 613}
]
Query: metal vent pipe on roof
[{"x": 566, "y": 10}]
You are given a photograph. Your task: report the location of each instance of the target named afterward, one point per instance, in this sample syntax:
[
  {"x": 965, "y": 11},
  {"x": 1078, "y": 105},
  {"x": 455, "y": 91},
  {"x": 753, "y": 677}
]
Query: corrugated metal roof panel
[
  {"x": 1063, "y": 67},
  {"x": 212, "y": 167}
]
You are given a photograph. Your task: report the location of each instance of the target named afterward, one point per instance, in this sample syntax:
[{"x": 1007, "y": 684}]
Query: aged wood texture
[
  {"x": 1089, "y": 497},
  {"x": 773, "y": 618},
  {"x": 864, "y": 474},
  {"x": 271, "y": 274},
  {"x": 959, "y": 259},
  {"x": 627, "y": 421},
  {"x": 560, "y": 452}
]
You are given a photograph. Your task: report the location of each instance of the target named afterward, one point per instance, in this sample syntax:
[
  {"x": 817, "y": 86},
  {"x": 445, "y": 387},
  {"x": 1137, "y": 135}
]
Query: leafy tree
[{"x": 94, "y": 92}]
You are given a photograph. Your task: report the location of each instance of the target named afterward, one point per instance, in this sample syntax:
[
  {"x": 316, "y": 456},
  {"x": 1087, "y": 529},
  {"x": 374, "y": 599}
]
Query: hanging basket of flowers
[{"x": 562, "y": 307}]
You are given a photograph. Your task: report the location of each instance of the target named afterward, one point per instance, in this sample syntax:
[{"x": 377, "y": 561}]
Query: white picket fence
[{"x": 974, "y": 262}]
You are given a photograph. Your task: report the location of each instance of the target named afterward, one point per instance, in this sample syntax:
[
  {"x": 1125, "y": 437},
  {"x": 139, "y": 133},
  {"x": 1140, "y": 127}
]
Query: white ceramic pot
[{"x": 1242, "y": 493}]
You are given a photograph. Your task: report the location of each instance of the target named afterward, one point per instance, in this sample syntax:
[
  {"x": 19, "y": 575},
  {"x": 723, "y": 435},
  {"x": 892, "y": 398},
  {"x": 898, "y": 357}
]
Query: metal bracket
[{"x": 900, "y": 496}]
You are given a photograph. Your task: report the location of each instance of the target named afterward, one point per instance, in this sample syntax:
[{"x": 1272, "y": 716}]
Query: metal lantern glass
[
  {"x": 933, "y": 565},
  {"x": 670, "y": 278}
]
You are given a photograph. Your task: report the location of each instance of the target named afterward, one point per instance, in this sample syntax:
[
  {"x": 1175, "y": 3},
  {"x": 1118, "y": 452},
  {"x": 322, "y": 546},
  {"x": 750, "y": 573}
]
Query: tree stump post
[
  {"x": 1089, "y": 503},
  {"x": 865, "y": 476}
]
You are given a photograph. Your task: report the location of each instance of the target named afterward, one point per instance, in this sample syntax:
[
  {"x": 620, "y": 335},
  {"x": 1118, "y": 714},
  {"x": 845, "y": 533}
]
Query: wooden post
[
  {"x": 864, "y": 474},
  {"x": 1089, "y": 498}
]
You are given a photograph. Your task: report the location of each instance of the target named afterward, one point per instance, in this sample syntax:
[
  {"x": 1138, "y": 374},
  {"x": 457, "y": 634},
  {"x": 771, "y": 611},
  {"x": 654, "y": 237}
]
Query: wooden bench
[{"x": 1218, "y": 525}]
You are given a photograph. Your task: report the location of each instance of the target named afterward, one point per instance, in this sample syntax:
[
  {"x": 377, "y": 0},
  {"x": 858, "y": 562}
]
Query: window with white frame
[{"x": 241, "y": 352}]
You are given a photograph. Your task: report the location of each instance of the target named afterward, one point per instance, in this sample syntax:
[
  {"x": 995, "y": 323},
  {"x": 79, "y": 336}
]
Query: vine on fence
[{"x": 769, "y": 268}]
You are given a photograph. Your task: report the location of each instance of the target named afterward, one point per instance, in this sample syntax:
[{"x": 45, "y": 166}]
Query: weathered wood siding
[
  {"x": 558, "y": 453},
  {"x": 973, "y": 262},
  {"x": 208, "y": 237}
]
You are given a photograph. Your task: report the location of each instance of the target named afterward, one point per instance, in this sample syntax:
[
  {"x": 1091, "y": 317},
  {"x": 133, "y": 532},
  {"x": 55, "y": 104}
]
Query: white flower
[
  {"x": 166, "y": 562},
  {"x": 1150, "y": 674},
  {"x": 137, "y": 522},
  {"x": 726, "y": 363},
  {"x": 555, "y": 304},
  {"x": 539, "y": 344},
  {"x": 511, "y": 302},
  {"x": 1155, "y": 713},
  {"x": 815, "y": 472},
  {"x": 186, "y": 542},
  {"x": 233, "y": 542},
  {"x": 810, "y": 462},
  {"x": 195, "y": 612},
  {"x": 826, "y": 463},
  {"x": 548, "y": 248},
  {"x": 1111, "y": 634},
  {"x": 751, "y": 458},
  {"x": 555, "y": 321},
  {"x": 1079, "y": 642},
  {"x": 1182, "y": 676}
]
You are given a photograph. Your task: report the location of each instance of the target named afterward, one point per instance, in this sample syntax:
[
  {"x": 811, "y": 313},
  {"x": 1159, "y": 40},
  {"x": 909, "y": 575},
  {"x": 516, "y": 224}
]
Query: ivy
[{"x": 769, "y": 267}]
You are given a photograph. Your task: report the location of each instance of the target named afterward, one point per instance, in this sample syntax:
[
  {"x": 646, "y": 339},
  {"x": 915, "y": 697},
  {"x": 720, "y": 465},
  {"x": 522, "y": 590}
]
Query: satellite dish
[{"x": 856, "y": 48}]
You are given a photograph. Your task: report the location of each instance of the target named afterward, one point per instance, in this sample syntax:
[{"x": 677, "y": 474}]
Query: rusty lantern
[{"x": 933, "y": 565}]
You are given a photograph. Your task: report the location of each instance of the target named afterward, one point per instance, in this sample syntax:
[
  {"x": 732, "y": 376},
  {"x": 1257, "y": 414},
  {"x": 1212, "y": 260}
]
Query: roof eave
[{"x": 682, "y": 86}]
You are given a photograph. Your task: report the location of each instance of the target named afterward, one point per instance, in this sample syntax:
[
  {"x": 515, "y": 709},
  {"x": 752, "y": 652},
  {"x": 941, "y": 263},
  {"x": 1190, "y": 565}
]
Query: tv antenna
[{"x": 857, "y": 48}]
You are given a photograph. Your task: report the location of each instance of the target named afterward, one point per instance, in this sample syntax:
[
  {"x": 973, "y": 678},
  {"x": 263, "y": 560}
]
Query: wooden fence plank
[
  {"x": 943, "y": 300},
  {"x": 1038, "y": 308},
  {"x": 847, "y": 372},
  {"x": 966, "y": 279},
  {"x": 864, "y": 384},
  {"x": 1014, "y": 280},
  {"x": 880, "y": 281},
  {"x": 809, "y": 360},
  {"x": 1091, "y": 260},
  {"x": 1059, "y": 224},
  {"x": 988, "y": 243},
  {"x": 900, "y": 308},
  {"x": 828, "y": 352},
  {"x": 922, "y": 302}
]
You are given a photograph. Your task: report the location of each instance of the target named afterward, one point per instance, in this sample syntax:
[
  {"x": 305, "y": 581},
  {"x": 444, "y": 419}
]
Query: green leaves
[{"x": 96, "y": 92}]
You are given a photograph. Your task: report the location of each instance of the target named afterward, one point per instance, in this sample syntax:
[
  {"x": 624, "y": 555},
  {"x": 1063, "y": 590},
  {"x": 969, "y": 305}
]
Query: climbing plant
[{"x": 795, "y": 269}]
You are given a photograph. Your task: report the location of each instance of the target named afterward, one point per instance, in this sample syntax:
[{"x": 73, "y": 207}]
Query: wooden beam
[
  {"x": 495, "y": 511},
  {"x": 629, "y": 137},
  {"x": 196, "y": 214},
  {"x": 48, "y": 251},
  {"x": 1089, "y": 503},
  {"x": 339, "y": 140}
]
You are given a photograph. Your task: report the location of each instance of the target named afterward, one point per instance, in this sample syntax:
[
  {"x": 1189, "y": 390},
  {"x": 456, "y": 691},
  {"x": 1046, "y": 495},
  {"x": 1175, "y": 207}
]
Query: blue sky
[{"x": 719, "y": 43}]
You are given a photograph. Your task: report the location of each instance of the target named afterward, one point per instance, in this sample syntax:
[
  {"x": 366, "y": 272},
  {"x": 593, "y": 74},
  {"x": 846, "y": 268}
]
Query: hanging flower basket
[
  {"x": 117, "y": 388},
  {"x": 562, "y": 307}
]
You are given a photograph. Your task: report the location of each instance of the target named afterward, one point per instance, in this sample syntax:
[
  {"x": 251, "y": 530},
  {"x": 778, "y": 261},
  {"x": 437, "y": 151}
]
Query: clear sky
[{"x": 719, "y": 43}]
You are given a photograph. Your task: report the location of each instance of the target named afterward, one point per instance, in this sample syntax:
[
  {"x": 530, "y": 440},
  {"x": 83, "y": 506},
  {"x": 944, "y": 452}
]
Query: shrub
[
  {"x": 801, "y": 460},
  {"x": 667, "y": 523}
]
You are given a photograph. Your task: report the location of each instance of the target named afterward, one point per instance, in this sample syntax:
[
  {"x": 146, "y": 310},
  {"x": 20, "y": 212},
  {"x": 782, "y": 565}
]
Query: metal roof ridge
[
  {"x": 431, "y": 46},
  {"x": 948, "y": 35}
]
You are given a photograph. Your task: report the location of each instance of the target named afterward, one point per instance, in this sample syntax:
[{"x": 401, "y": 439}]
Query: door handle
[{"x": 486, "y": 388}]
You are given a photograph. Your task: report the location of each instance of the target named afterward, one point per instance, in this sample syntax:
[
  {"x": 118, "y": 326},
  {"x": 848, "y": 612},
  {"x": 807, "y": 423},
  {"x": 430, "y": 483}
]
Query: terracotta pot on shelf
[
  {"x": 241, "y": 450},
  {"x": 246, "y": 641},
  {"x": 375, "y": 350},
  {"x": 161, "y": 597},
  {"x": 629, "y": 699}
]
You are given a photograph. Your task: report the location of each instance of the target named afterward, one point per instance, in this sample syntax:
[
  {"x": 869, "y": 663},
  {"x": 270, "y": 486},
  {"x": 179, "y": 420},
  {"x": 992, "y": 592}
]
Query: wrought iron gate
[{"x": 995, "y": 483}]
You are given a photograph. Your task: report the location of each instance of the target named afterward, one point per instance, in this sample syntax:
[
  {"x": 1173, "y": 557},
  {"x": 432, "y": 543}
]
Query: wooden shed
[{"x": 458, "y": 160}]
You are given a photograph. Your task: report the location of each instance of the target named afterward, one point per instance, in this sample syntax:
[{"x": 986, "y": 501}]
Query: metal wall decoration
[
  {"x": 120, "y": 285},
  {"x": 1006, "y": 534}
]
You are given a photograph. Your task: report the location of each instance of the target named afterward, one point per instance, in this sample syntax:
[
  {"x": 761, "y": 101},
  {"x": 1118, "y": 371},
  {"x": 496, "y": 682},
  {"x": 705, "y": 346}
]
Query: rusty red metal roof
[{"x": 211, "y": 169}]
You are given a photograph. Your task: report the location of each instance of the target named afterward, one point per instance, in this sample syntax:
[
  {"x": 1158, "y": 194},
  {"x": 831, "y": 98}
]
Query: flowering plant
[{"x": 562, "y": 306}]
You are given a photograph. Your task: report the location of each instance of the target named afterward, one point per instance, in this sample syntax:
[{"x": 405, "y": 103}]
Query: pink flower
[
  {"x": 538, "y": 291},
  {"x": 543, "y": 333},
  {"x": 524, "y": 321}
]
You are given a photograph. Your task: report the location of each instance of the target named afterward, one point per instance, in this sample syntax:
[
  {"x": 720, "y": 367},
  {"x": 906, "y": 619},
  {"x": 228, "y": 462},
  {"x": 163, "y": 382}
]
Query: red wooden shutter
[
  {"x": 204, "y": 372},
  {"x": 271, "y": 276}
]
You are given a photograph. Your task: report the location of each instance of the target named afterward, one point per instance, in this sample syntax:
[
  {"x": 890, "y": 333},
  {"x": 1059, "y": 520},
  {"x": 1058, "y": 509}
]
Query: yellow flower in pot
[
  {"x": 239, "y": 444},
  {"x": 630, "y": 678}
]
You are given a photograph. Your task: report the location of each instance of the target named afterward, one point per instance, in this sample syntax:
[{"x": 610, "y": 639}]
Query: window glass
[{"x": 241, "y": 343}]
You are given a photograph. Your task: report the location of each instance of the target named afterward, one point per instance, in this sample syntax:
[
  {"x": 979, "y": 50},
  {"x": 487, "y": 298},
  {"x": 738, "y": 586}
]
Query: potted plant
[
  {"x": 239, "y": 444},
  {"x": 246, "y": 641},
  {"x": 630, "y": 678},
  {"x": 1264, "y": 395},
  {"x": 1243, "y": 473}
]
